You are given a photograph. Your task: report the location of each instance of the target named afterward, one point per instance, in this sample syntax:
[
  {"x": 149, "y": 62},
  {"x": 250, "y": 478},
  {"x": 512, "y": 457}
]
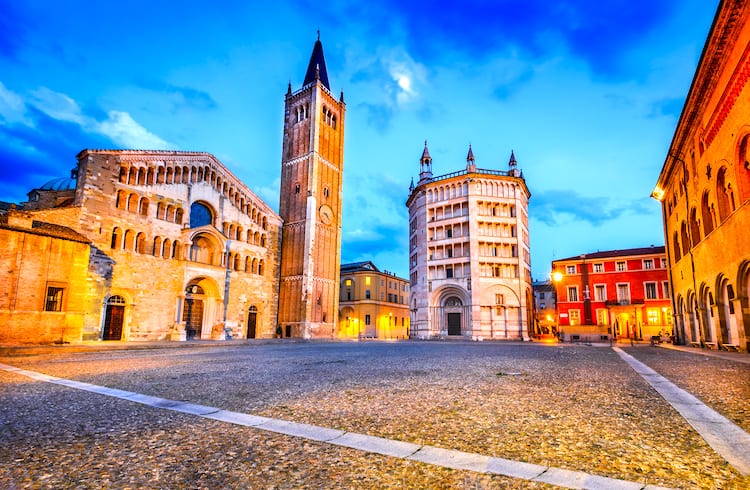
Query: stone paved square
[{"x": 572, "y": 407}]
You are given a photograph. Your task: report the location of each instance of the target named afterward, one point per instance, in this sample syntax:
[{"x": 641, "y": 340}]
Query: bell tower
[{"x": 312, "y": 165}]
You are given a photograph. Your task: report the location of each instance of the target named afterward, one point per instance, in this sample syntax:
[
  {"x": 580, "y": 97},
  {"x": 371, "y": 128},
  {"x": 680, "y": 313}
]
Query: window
[
  {"x": 367, "y": 280},
  {"x": 571, "y": 269},
  {"x": 665, "y": 289},
  {"x": 623, "y": 293},
  {"x": 600, "y": 292},
  {"x": 200, "y": 215},
  {"x": 296, "y": 188},
  {"x": 575, "y": 317},
  {"x": 652, "y": 315},
  {"x": 601, "y": 316},
  {"x": 648, "y": 263},
  {"x": 449, "y": 272},
  {"x": 54, "y": 298},
  {"x": 367, "y": 319},
  {"x": 650, "y": 290},
  {"x": 348, "y": 282},
  {"x": 541, "y": 295},
  {"x": 449, "y": 232},
  {"x": 367, "y": 294},
  {"x": 572, "y": 293},
  {"x": 620, "y": 266},
  {"x": 663, "y": 263},
  {"x": 499, "y": 299},
  {"x": 598, "y": 267}
]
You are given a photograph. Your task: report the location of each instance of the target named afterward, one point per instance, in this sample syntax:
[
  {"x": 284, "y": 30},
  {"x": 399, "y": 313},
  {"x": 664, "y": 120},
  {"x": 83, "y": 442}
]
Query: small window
[
  {"x": 499, "y": 299},
  {"x": 600, "y": 293},
  {"x": 650, "y": 290},
  {"x": 326, "y": 192},
  {"x": 449, "y": 272},
  {"x": 367, "y": 319},
  {"x": 598, "y": 267},
  {"x": 367, "y": 294},
  {"x": 648, "y": 263},
  {"x": 571, "y": 269},
  {"x": 296, "y": 188},
  {"x": 572, "y": 293},
  {"x": 348, "y": 282},
  {"x": 620, "y": 266},
  {"x": 54, "y": 299}
]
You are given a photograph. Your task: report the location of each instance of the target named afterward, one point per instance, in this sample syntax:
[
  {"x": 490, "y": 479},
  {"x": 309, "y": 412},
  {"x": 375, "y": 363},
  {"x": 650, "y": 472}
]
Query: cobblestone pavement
[{"x": 568, "y": 406}]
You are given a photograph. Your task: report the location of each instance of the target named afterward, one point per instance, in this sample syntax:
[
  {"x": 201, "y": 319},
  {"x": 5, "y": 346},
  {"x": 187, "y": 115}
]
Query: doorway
[
  {"x": 192, "y": 314},
  {"x": 454, "y": 323},
  {"x": 114, "y": 318},
  {"x": 252, "y": 318}
]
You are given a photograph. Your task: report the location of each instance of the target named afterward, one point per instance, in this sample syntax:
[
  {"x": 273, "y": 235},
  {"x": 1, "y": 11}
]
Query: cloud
[
  {"x": 123, "y": 130},
  {"x": 555, "y": 207},
  {"x": 119, "y": 126},
  {"x": 12, "y": 108},
  {"x": 181, "y": 96},
  {"x": 670, "y": 107}
]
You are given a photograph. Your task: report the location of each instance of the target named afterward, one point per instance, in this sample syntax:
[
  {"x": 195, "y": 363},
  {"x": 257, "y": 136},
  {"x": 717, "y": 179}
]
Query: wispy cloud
[
  {"x": 119, "y": 127},
  {"x": 555, "y": 207},
  {"x": 181, "y": 96},
  {"x": 12, "y": 108}
]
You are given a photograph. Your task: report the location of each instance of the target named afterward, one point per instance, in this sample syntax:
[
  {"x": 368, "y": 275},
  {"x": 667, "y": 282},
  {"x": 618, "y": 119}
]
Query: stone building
[
  {"x": 613, "y": 294},
  {"x": 149, "y": 245},
  {"x": 704, "y": 190},
  {"x": 180, "y": 247},
  {"x": 469, "y": 258},
  {"x": 373, "y": 303},
  {"x": 310, "y": 205},
  {"x": 44, "y": 271}
]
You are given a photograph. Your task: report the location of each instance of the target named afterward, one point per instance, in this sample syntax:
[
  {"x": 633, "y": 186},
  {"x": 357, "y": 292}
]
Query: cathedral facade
[
  {"x": 155, "y": 245},
  {"x": 470, "y": 265}
]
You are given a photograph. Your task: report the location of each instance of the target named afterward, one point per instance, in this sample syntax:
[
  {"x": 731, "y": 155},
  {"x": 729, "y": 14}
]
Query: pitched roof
[
  {"x": 359, "y": 266},
  {"x": 316, "y": 69}
]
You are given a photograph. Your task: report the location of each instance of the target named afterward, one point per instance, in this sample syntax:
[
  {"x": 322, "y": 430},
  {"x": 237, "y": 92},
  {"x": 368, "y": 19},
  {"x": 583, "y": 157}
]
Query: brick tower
[{"x": 312, "y": 165}]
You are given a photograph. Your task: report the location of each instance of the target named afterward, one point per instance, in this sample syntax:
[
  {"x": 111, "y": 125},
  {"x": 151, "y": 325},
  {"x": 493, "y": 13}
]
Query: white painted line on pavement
[
  {"x": 727, "y": 439},
  {"x": 447, "y": 458}
]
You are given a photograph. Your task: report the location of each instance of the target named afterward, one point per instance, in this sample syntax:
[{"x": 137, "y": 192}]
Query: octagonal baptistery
[
  {"x": 182, "y": 248},
  {"x": 469, "y": 258}
]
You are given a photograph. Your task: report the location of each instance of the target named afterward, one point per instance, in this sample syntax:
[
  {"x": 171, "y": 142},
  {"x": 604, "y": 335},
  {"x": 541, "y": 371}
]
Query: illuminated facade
[
  {"x": 373, "y": 303},
  {"x": 310, "y": 205},
  {"x": 545, "y": 309},
  {"x": 469, "y": 259},
  {"x": 181, "y": 248},
  {"x": 704, "y": 189},
  {"x": 613, "y": 294}
]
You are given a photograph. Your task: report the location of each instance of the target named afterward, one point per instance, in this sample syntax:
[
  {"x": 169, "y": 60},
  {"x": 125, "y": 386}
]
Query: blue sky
[{"x": 587, "y": 94}]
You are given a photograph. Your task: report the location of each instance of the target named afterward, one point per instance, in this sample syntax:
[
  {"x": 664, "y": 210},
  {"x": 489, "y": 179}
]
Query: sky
[{"x": 586, "y": 93}]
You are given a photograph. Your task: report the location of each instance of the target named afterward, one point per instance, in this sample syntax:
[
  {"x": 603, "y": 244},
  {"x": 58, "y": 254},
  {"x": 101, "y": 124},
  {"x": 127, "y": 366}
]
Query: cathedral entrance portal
[
  {"x": 252, "y": 318},
  {"x": 114, "y": 318}
]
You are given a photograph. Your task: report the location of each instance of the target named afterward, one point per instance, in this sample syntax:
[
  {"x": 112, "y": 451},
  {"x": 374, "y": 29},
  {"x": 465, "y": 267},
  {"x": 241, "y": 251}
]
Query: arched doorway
[
  {"x": 252, "y": 319},
  {"x": 192, "y": 314},
  {"x": 114, "y": 318}
]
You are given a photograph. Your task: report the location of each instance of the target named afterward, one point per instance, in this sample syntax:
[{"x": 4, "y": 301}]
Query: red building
[{"x": 614, "y": 294}]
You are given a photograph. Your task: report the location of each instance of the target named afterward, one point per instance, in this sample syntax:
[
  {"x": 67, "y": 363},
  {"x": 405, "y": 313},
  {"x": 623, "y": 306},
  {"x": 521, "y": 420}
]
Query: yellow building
[
  {"x": 373, "y": 303},
  {"x": 704, "y": 189}
]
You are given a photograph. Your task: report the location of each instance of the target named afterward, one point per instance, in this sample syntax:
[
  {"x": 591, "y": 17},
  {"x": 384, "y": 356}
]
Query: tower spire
[
  {"x": 471, "y": 165},
  {"x": 316, "y": 69},
  {"x": 425, "y": 164}
]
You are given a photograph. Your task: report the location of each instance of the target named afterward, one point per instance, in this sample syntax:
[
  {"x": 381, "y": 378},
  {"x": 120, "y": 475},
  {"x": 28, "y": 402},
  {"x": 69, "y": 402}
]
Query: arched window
[
  {"x": 178, "y": 215},
  {"x": 150, "y": 176},
  {"x": 202, "y": 250},
  {"x": 200, "y": 215},
  {"x": 695, "y": 232},
  {"x": 170, "y": 213},
  {"x": 237, "y": 261},
  {"x": 116, "y": 238},
  {"x": 157, "y": 247},
  {"x": 129, "y": 240},
  {"x": 177, "y": 250},
  {"x": 722, "y": 194},
  {"x": 260, "y": 267},
  {"x": 161, "y": 211},
  {"x": 132, "y": 175},
  {"x": 686, "y": 245},
  {"x": 122, "y": 200},
  {"x": 170, "y": 176},
  {"x": 123, "y": 175},
  {"x": 140, "y": 243},
  {"x": 248, "y": 264},
  {"x": 141, "y": 176},
  {"x": 133, "y": 203},
  {"x": 160, "y": 175},
  {"x": 708, "y": 220},
  {"x": 743, "y": 169},
  {"x": 263, "y": 240},
  {"x": 143, "y": 207},
  {"x": 166, "y": 248},
  {"x": 676, "y": 247}
]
